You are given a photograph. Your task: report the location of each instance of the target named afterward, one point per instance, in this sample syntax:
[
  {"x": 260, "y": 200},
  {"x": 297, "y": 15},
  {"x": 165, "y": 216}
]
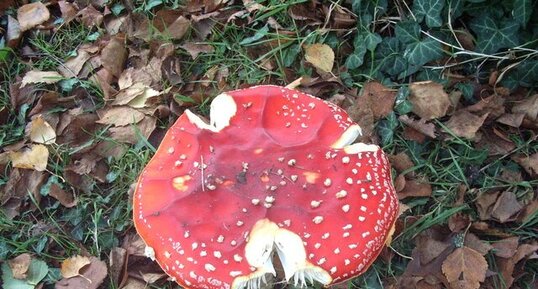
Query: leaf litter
[{"x": 147, "y": 69}]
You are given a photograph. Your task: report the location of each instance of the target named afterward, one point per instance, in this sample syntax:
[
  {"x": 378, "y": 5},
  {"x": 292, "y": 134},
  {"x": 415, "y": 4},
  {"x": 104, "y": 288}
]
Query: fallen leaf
[
  {"x": 506, "y": 248},
  {"x": 37, "y": 270},
  {"x": 465, "y": 124},
  {"x": 465, "y": 268},
  {"x": 427, "y": 129},
  {"x": 72, "y": 67},
  {"x": 380, "y": 97},
  {"x": 493, "y": 106},
  {"x": 66, "y": 199},
  {"x": 473, "y": 242},
  {"x": 506, "y": 207},
  {"x": 321, "y": 56},
  {"x": 415, "y": 188},
  {"x": 529, "y": 163},
  {"x": 90, "y": 16},
  {"x": 69, "y": 10},
  {"x": 36, "y": 76},
  {"x": 71, "y": 267},
  {"x": 114, "y": 55},
  {"x": 19, "y": 266},
  {"x": 133, "y": 283},
  {"x": 429, "y": 99},
  {"x": 133, "y": 133},
  {"x": 32, "y": 14},
  {"x": 401, "y": 162},
  {"x": 171, "y": 23},
  {"x": 528, "y": 107},
  {"x": 118, "y": 266},
  {"x": 20, "y": 184},
  {"x": 40, "y": 131},
  {"x": 194, "y": 49},
  {"x": 136, "y": 96},
  {"x": 511, "y": 119},
  {"x": 35, "y": 157},
  {"x": 119, "y": 116},
  {"x": 14, "y": 33},
  {"x": 90, "y": 276}
]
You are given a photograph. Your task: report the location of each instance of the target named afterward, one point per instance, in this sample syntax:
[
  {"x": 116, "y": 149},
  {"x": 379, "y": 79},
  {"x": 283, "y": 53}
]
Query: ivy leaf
[
  {"x": 492, "y": 36},
  {"x": 526, "y": 74},
  {"x": 356, "y": 58},
  {"x": 386, "y": 128},
  {"x": 408, "y": 32},
  {"x": 290, "y": 54},
  {"x": 422, "y": 52},
  {"x": 522, "y": 11},
  {"x": 389, "y": 56},
  {"x": 371, "y": 40},
  {"x": 454, "y": 8},
  {"x": 429, "y": 10}
]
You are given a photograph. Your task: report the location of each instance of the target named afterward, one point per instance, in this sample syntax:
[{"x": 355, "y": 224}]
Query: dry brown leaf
[
  {"x": 529, "y": 163},
  {"x": 36, "y": 76},
  {"x": 73, "y": 66},
  {"x": 196, "y": 48},
  {"x": 40, "y": 131},
  {"x": 380, "y": 97},
  {"x": 114, "y": 55},
  {"x": 401, "y": 162},
  {"x": 71, "y": 267},
  {"x": 506, "y": 248},
  {"x": 465, "y": 124},
  {"x": 69, "y": 10},
  {"x": 35, "y": 157},
  {"x": 19, "y": 265},
  {"x": 465, "y": 268},
  {"x": 132, "y": 133},
  {"x": 427, "y": 129},
  {"x": 415, "y": 188},
  {"x": 473, "y": 242},
  {"x": 90, "y": 277},
  {"x": 506, "y": 207},
  {"x": 32, "y": 14},
  {"x": 429, "y": 99},
  {"x": 133, "y": 283},
  {"x": 14, "y": 33},
  {"x": 66, "y": 199},
  {"x": 90, "y": 16},
  {"x": 137, "y": 96},
  {"x": 528, "y": 107},
  {"x": 511, "y": 119},
  {"x": 119, "y": 116},
  {"x": 118, "y": 266},
  {"x": 321, "y": 56}
]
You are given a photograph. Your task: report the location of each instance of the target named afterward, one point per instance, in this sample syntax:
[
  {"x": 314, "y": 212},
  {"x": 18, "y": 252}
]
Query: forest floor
[{"x": 447, "y": 88}]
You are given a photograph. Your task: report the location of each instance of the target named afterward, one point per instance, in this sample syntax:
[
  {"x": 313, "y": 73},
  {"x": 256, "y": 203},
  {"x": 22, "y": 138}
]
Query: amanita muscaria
[{"x": 274, "y": 174}]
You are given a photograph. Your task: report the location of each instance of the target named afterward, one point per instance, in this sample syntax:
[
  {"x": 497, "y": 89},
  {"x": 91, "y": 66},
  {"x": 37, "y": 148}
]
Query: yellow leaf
[
  {"x": 321, "y": 56},
  {"x": 40, "y": 131},
  {"x": 34, "y": 157},
  {"x": 71, "y": 267}
]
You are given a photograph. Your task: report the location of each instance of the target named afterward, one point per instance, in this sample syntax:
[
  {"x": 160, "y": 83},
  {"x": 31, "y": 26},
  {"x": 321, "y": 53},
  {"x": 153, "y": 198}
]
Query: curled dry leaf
[
  {"x": 34, "y": 157},
  {"x": 321, "y": 56},
  {"x": 69, "y": 10},
  {"x": 71, "y": 267},
  {"x": 528, "y": 107},
  {"x": 465, "y": 124},
  {"x": 465, "y": 268},
  {"x": 196, "y": 48},
  {"x": 429, "y": 99},
  {"x": 19, "y": 266},
  {"x": 73, "y": 66},
  {"x": 40, "y": 131},
  {"x": 90, "y": 276},
  {"x": 32, "y": 14},
  {"x": 90, "y": 16},
  {"x": 14, "y": 33},
  {"x": 36, "y": 76}
]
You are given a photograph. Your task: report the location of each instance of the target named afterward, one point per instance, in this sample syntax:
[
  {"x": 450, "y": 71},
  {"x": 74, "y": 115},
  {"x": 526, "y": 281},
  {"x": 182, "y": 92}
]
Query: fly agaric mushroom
[{"x": 274, "y": 174}]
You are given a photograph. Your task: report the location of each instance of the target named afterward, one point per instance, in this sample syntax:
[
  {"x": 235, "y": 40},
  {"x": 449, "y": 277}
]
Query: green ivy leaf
[
  {"x": 290, "y": 54},
  {"x": 492, "y": 36},
  {"x": 389, "y": 57},
  {"x": 402, "y": 105},
  {"x": 356, "y": 58},
  {"x": 454, "y": 9},
  {"x": 371, "y": 40},
  {"x": 522, "y": 11},
  {"x": 408, "y": 32},
  {"x": 526, "y": 74},
  {"x": 430, "y": 10},
  {"x": 422, "y": 52},
  {"x": 386, "y": 127}
]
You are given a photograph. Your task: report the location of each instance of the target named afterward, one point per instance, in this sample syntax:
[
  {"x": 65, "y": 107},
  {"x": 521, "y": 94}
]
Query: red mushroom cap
[{"x": 274, "y": 173}]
